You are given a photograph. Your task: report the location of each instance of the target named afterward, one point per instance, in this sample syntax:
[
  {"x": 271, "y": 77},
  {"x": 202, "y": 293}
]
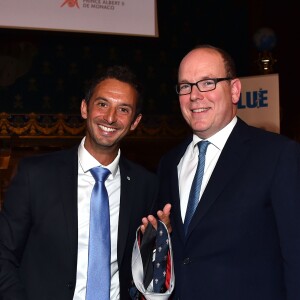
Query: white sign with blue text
[{"x": 259, "y": 102}]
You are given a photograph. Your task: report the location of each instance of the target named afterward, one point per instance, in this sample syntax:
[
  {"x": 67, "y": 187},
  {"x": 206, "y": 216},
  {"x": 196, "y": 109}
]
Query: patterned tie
[
  {"x": 196, "y": 185},
  {"x": 98, "y": 280},
  {"x": 160, "y": 263}
]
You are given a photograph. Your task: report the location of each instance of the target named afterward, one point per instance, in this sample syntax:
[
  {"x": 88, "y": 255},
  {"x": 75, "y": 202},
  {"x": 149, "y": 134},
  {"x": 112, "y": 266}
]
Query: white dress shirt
[
  {"x": 85, "y": 185},
  {"x": 188, "y": 164}
]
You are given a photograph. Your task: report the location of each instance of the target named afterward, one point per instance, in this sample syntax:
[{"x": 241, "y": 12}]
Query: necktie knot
[
  {"x": 100, "y": 173},
  {"x": 202, "y": 146}
]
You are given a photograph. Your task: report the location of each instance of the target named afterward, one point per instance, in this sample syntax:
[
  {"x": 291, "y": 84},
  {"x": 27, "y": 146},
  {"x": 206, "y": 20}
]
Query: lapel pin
[{"x": 128, "y": 178}]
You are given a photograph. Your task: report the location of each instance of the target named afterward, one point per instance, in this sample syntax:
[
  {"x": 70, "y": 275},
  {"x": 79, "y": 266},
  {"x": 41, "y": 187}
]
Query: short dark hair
[
  {"x": 119, "y": 72},
  {"x": 229, "y": 63}
]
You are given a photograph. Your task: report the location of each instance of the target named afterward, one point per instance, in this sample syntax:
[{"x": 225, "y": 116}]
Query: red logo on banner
[{"x": 70, "y": 3}]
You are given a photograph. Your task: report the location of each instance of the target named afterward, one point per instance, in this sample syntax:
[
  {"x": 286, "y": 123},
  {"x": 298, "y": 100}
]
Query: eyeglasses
[{"x": 204, "y": 85}]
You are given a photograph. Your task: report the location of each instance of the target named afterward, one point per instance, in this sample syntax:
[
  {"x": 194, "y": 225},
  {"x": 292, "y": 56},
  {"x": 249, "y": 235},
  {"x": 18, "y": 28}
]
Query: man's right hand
[{"x": 163, "y": 215}]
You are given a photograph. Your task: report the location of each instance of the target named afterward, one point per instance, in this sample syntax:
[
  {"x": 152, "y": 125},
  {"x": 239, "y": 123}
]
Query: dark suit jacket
[
  {"x": 38, "y": 226},
  {"x": 243, "y": 241}
]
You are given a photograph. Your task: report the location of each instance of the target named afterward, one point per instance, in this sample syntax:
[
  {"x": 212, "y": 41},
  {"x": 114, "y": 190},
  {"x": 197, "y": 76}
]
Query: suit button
[
  {"x": 70, "y": 285},
  {"x": 186, "y": 261}
]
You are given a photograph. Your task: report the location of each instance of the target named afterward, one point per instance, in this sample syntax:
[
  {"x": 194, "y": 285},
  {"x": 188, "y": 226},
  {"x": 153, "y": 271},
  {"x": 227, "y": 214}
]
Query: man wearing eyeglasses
[{"x": 241, "y": 240}]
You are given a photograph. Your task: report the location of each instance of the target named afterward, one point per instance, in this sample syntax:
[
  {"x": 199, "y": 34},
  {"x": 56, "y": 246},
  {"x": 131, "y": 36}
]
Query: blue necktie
[
  {"x": 161, "y": 256},
  {"x": 196, "y": 185},
  {"x": 98, "y": 280}
]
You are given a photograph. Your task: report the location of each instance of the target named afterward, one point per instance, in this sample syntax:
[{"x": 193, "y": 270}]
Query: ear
[
  {"x": 236, "y": 87},
  {"x": 84, "y": 109},
  {"x": 136, "y": 122}
]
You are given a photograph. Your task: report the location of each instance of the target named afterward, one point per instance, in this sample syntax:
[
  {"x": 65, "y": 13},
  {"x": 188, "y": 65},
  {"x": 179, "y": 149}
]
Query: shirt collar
[
  {"x": 87, "y": 161},
  {"x": 218, "y": 139}
]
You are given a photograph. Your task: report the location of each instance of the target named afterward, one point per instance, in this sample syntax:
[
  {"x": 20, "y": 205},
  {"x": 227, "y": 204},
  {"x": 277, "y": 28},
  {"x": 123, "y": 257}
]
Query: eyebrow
[
  {"x": 101, "y": 98},
  {"x": 107, "y": 100},
  {"x": 203, "y": 78}
]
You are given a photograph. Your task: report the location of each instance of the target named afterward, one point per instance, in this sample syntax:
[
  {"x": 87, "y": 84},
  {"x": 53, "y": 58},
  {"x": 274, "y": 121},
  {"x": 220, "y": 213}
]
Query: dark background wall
[{"x": 48, "y": 70}]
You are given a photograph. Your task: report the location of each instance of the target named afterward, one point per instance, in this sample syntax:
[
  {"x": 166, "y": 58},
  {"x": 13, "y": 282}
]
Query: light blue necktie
[
  {"x": 196, "y": 185},
  {"x": 98, "y": 280}
]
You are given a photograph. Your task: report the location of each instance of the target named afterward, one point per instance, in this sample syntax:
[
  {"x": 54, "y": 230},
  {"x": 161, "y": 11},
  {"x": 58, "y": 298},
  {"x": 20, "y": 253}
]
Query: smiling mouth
[
  {"x": 199, "y": 110},
  {"x": 107, "y": 129}
]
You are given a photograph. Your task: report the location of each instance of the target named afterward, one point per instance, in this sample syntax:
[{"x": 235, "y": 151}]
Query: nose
[
  {"x": 110, "y": 116},
  {"x": 195, "y": 93}
]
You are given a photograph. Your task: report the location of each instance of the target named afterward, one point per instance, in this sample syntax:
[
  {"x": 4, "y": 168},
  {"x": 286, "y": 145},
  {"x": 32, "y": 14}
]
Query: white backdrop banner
[
  {"x": 126, "y": 17},
  {"x": 259, "y": 102}
]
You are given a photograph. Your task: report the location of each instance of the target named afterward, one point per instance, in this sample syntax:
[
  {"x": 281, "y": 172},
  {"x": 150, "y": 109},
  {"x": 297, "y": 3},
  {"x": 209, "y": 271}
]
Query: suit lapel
[
  {"x": 234, "y": 153},
  {"x": 67, "y": 185},
  {"x": 175, "y": 198},
  {"x": 126, "y": 206},
  {"x": 176, "y": 210}
]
